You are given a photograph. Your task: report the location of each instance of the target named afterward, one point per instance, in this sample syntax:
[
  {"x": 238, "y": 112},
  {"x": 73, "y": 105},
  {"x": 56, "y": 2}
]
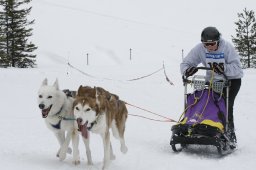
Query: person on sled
[{"x": 216, "y": 53}]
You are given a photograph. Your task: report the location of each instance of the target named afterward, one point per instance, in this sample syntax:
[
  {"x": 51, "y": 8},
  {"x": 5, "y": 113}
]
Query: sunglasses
[{"x": 210, "y": 43}]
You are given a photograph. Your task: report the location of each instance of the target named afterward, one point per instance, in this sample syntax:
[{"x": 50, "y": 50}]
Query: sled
[{"x": 205, "y": 117}]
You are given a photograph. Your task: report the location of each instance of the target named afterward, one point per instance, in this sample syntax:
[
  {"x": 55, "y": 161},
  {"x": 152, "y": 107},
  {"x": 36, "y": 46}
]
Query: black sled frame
[{"x": 184, "y": 135}]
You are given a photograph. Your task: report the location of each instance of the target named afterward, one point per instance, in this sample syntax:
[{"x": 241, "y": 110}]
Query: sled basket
[{"x": 205, "y": 117}]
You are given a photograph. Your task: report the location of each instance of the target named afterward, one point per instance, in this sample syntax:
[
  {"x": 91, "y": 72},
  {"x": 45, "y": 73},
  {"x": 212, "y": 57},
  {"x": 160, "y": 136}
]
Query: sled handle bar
[
  {"x": 203, "y": 68},
  {"x": 185, "y": 79},
  {"x": 207, "y": 68}
]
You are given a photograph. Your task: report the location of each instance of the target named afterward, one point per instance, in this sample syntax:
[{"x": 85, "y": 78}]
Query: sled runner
[{"x": 205, "y": 117}]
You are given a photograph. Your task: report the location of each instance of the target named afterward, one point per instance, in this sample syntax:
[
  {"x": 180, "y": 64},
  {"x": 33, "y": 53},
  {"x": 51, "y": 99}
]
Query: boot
[
  {"x": 232, "y": 137},
  {"x": 231, "y": 132}
]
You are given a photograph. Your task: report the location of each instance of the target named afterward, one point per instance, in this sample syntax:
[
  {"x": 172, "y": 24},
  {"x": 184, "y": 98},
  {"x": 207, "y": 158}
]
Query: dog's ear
[
  {"x": 56, "y": 84},
  {"x": 79, "y": 90},
  {"x": 97, "y": 95},
  {"x": 114, "y": 96},
  {"x": 74, "y": 104},
  {"x": 45, "y": 82},
  {"x": 97, "y": 109}
]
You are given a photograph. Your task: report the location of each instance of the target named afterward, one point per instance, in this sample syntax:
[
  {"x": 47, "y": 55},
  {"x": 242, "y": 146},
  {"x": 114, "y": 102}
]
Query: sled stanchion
[
  {"x": 227, "y": 104},
  {"x": 185, "y": 95}
]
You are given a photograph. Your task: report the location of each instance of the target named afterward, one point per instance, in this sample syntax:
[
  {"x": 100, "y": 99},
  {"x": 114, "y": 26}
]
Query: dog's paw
[
  {"x": 58, "y": 154},
  {"x": 104, "y": 168},
  {"x": 76, "y": 159},
  {"x": 89, "y": 163},
  {"x": 91, "y": 167},
  {"x": 124, "y": 149},
  {"x": 69, "y": 151},
  {"x": 76, "y": 162},
  {"x": 62, "y": 156},
  {"x": 105, "y": 164},
  {"x": 112, "y": 157}
]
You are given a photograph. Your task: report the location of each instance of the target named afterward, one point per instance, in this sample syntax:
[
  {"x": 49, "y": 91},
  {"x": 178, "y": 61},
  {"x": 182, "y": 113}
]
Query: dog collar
[
  {"x": 58, "y": 114},
  {"x": 95, "y": 121}
]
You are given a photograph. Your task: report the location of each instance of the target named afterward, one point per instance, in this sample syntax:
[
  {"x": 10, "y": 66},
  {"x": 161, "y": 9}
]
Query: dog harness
[{"x": 57, "y": 126}]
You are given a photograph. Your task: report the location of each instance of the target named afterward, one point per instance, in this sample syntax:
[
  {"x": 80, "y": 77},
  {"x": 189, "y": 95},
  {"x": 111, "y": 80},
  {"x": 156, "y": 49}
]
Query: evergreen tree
[
  {"x": 245, "y": 39},
  {"x": 15, "y": 48},
  {"x": 3, "y": 57}
]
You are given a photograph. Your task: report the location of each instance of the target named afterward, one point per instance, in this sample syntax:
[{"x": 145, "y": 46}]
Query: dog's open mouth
[
  {"x": 83, "y": 128},
  {"x": 45, "y": 112}
]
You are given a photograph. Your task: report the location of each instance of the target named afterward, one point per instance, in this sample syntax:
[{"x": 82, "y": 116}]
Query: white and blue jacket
[{"x": 225, "y": 54}]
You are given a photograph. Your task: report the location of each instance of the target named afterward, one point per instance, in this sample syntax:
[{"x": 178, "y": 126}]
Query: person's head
[{"x": 210, "y": 37}]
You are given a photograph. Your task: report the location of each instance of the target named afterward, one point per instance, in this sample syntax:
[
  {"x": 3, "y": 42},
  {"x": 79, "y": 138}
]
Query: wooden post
[
  {"x": 130, "y": 54},
  {"x": 68, "y": 62},
  {"x": 182, "y": 54},
  {"x": 87, "y": 59}
]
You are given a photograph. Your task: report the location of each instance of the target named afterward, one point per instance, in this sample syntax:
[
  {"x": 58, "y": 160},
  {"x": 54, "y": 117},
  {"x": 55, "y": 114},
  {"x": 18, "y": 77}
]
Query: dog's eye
[
  {"x": 49, "y": 97},
  {"x": 88, "y": 109},
  {"x": 40, "y": 96},
  {"x": 77, "y": 108}
]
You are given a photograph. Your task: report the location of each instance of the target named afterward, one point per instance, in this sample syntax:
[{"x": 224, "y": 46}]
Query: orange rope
[
  {"x": 158, "y": 120},
  {"x": 167, "y": 119}
]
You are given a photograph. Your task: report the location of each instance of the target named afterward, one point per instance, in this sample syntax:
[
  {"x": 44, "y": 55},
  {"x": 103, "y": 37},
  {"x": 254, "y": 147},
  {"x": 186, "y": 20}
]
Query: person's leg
[{"x": 233, "y": 90}]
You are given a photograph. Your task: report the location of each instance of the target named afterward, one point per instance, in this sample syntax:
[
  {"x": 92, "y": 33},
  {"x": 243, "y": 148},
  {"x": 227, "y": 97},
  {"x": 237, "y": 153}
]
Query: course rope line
[
  {"x": 146, "y": 75},
  {"x": 80, "y": 71},
  {"x": 166, "y": 77},
  {"x": 134, "y": 79}
]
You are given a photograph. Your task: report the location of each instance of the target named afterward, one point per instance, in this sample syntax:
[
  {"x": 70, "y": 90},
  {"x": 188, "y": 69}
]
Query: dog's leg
[
  {"x": 88, "y": 150},
  {"x": 123, "y": 148},
  {"x": 64, "y": 147},
  {"x": 75, "y": 144},
  {"x": 60, "y": 137},
  {"x": 119, "y": 134},
  {"x": 106, "y": 143},
  {"x": 112, "y": 156}
]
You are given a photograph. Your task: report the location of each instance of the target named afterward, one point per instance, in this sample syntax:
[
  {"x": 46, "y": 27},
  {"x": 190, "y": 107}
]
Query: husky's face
[
  {"x": 85, "y": 112},
  {"x": 47, "y": 96}
]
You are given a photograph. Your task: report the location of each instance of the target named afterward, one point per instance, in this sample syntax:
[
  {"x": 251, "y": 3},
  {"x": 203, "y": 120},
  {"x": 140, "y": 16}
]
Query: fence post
[
  {"x": 130, "y": 54},
  {"x": 87, "y": 59},
  {"x": 182, "y": 54}
]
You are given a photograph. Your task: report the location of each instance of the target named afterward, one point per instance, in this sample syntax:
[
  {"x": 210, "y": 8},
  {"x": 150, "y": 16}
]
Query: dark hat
[{"x": 210, "y": 34}]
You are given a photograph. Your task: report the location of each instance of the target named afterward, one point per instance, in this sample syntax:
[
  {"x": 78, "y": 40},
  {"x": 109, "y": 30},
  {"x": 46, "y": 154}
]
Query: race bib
[{"x": 214, "y": 58}]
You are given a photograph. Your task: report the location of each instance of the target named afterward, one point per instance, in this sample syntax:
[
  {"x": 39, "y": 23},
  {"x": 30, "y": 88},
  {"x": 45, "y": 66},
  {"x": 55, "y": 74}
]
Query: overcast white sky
[{"x": 156, "y": 28}]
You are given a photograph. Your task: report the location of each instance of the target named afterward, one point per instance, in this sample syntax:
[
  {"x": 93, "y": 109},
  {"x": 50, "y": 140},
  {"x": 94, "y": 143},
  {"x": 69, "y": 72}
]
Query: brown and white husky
[{"x": 97, "y": 111}]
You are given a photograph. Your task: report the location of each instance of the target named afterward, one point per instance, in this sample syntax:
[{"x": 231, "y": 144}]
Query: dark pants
[{"x": 234, "y": 88}]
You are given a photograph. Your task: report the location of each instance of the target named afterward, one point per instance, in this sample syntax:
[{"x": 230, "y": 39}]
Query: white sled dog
[
  {"x": 56, "y": 108},
  {"x": 96, "y": 110}
]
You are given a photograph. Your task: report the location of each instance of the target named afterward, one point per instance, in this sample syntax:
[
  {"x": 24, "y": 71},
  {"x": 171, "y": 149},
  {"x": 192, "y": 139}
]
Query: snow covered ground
[{"x": 27, "y": 144}]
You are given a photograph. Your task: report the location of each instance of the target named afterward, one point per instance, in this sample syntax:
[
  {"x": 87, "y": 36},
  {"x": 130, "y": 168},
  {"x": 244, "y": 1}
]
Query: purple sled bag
[{"x": 208, "y": 109}]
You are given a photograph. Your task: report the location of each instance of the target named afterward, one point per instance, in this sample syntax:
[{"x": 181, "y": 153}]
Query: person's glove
[
  {"x": 190, "y": 71},
  {"x": 218, "y": 68}
]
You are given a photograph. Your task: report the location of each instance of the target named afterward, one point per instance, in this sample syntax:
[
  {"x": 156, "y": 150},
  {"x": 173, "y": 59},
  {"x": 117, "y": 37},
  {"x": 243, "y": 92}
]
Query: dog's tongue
[
  {"x": 45, "y": 113},
  {"x": 84, "y": 131}
]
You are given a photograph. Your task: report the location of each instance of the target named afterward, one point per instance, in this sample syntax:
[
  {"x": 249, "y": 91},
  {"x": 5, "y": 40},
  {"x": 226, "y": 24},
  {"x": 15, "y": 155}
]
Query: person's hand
[
  {"x": 218, "y": 68},
  {"x": 190, "y": 71}
]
